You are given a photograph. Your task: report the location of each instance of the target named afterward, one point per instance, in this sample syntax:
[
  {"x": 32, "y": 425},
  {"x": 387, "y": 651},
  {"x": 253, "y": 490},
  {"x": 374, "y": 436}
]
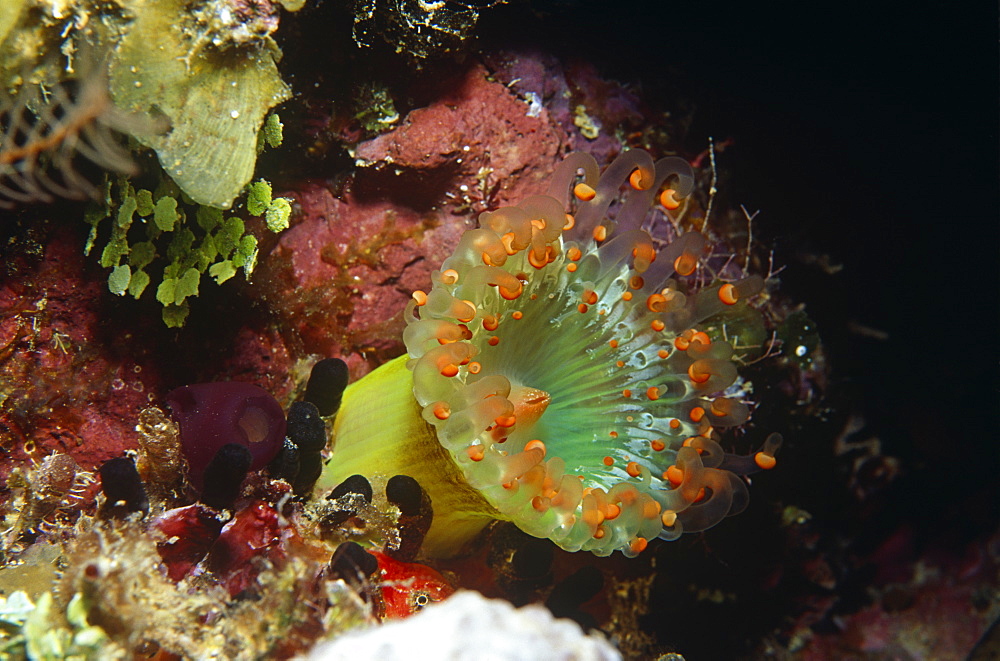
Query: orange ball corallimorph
[{"x": 561, "y": 360}]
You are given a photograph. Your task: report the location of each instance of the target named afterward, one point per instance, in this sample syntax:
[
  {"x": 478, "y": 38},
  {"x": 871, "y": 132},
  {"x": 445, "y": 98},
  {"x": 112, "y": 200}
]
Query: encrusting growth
[{"x": 560, "y": 375}]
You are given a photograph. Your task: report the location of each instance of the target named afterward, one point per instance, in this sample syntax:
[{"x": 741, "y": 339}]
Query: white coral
[{"x": 470, "y": 627}]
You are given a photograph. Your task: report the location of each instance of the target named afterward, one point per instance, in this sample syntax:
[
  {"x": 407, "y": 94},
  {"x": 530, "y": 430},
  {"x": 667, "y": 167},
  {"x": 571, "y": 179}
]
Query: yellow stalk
[{"x": 379, "y": 432}]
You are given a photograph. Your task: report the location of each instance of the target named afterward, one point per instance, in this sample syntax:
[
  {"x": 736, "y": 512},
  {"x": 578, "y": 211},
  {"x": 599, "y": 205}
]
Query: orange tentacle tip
[
  {"x": 635, "y": 180},
  {"x": 728, "y": 294},
  {"x": 633, "y": 469},
  {"x": 686, "y": 263},
  {"x": 449, "y": 276},
  {"x": 668, "y": 518},
  {"x": 538, "y": 261},
  {"x": 535, "y": 445},
  {"x": 645, "y": 254},
  {"x": 511, "y": 293},
  {"x": 508, "y": 243},
  {"x": 506, "y": 421},
  {"x": 721, "y": 406},
  {"x": 639, "y": 544},
  {"x": 584, "y": 192},
  {"x": 765, "y": 461},
  {"x": 697, "y": 374},
  {"x": 669, "y": 199},
  {"x": 419, "y": 297},
  {"x": 593, "y": 517},
  {"x": 468, "y": 314},
  {"x": 629, "y": 496},
  {"x": 476, "y": 452}
]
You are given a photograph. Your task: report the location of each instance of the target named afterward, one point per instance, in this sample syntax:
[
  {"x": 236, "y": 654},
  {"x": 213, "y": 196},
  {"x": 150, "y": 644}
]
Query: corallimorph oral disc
[{"x": 558, "y": 358}]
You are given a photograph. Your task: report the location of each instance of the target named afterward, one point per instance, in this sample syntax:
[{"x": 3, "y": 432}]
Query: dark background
[{"x": 865, "y": 132}]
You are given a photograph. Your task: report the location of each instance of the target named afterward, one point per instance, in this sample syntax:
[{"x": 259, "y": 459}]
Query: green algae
[
  {"x": 276, "y": 211},
  {"x": 163, "y": 227}
]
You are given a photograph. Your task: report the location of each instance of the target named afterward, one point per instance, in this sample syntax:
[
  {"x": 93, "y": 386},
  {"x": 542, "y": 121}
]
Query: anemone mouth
[{"x": 581, "y": 313}]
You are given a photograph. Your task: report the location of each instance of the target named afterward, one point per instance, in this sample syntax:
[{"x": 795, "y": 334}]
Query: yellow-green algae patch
[
  {"x": 382, "y": 406},
  {"x": 214, "y": 98}
]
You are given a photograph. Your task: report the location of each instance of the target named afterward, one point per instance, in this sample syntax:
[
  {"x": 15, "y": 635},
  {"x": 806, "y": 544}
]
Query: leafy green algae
[{"x": 165, "y": 227}]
